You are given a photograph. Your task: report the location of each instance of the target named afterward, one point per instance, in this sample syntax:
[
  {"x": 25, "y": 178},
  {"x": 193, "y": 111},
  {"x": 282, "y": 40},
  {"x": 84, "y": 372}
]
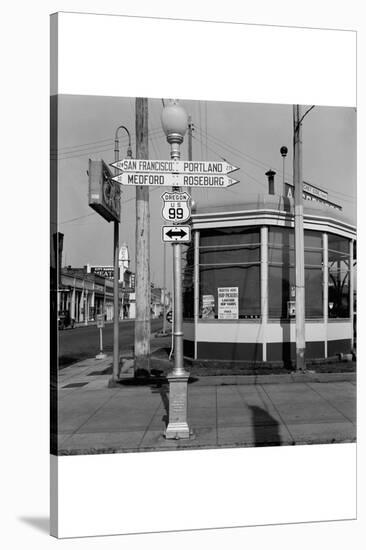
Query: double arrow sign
[
  {"x": 174, "y": 173},
  {"x": 176, "y": 233}
]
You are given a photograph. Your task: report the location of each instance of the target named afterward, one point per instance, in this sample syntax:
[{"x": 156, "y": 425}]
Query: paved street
[
  {"x": 223, "y": 411},
  {"x": 83, "y": 342}
]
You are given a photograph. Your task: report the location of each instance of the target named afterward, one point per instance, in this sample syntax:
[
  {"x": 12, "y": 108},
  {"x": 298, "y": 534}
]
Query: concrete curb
[
  {"x": 127, "y": 363},
  {"x": 175, "y": 446},
  {"x": 232, "y": 380}
]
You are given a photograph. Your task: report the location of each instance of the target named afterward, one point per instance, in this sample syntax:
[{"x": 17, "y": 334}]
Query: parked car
[{"x": 65, "y": 320}]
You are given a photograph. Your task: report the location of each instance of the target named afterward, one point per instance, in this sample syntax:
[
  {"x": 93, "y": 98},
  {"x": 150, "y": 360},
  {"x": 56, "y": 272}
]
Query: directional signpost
[
  {"x": 175, "y": 173},
  {"x": 100, "y": 325}
]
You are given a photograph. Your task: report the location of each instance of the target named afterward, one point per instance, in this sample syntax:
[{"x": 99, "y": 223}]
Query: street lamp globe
[{"x": 174, "y": 120}]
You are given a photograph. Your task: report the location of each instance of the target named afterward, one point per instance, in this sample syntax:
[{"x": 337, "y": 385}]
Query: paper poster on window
[
  {"x": 208, "y": 306},
  {"x": 228, "y": 300}
]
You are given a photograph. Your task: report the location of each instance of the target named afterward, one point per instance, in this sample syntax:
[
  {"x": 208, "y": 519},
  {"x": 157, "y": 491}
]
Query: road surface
[{"x": 83, "y": 342}]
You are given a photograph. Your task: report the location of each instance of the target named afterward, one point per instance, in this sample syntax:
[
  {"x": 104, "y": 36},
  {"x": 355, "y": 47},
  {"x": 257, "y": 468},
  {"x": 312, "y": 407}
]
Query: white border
[
  {"x": 24, "y": 386},
  {"x": 246, "y": 63},
  {"x": 250, "y": 63},
  {"x": 244, "y": 486}
]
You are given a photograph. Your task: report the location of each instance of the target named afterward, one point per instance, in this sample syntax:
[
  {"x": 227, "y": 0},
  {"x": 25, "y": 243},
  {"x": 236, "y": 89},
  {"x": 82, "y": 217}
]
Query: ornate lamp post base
[{"x": 178, "y": 396}]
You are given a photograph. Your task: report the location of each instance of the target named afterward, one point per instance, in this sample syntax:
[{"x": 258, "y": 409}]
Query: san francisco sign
[{"x": 174, "y": 166}]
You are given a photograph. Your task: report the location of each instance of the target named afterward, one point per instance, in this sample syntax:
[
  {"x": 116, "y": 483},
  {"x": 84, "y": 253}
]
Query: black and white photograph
[
  {"x": 203, "y": 274},
  {"x": 182, "y": 274}
]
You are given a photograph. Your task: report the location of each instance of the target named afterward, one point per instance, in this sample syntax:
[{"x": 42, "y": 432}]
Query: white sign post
[
  {"x": 100, "y": 325},
  {"x": 228, "y": 302}
]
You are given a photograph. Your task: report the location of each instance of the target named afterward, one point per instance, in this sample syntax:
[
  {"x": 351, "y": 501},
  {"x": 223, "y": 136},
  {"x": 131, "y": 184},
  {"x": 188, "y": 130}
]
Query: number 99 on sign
[{"x": 176, "y": 211}]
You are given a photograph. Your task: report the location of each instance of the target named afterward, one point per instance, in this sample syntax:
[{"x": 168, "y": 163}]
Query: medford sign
[{"x": 104, "y": 193}]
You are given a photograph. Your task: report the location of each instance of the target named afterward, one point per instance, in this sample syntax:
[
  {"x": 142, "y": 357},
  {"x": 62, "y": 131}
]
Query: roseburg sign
[{"x": 174, "y": 180}]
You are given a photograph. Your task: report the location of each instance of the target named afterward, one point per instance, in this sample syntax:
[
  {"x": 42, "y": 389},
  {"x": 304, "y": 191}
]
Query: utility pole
[
  {"x": 283, "y": 152},
  {"x": 143, "y": 290},
  {"x": 299, "y": 241}
]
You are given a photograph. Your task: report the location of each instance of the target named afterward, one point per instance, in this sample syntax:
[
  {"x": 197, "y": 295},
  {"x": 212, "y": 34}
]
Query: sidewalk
[{"x": 223, "y": 411}]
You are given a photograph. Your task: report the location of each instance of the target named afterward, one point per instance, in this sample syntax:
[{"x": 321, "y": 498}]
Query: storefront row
[{"x": 84, "y": 296}]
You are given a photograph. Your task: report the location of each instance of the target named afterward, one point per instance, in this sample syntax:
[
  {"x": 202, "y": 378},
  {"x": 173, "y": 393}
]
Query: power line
[
  {"x": 81, "y": 146},
  {"x": 65, "y": 154},
  {"x": 221, "y": 157},
  {"x": 234, "y": 153},
  {"x": 93, "y": 152},
  {"x": 233, "y": 150},
  {"x": 93, "y": 213},
  {"x": 76, "y": 145}
]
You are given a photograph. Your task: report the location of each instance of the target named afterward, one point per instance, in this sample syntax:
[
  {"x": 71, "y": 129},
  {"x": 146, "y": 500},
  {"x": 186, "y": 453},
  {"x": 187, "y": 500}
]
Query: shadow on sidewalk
[
  {"x": 265, "y": 427},
  {"x": 164, "y": 394}
]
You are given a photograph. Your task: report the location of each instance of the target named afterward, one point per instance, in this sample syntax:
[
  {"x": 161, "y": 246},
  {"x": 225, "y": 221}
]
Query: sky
[{"x": 248, "y": 135}]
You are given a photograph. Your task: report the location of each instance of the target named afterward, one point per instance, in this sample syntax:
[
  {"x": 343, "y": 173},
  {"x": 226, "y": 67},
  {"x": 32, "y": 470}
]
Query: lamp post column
[
  {"x": 174, "y": 121},
  {"x": 115, "y": 373}
]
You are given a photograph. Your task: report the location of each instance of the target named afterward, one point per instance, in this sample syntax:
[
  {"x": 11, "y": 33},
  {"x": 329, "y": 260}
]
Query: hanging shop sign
[
  {"x": 228, "y": 302},
  {"x": 104, "y": 193}
]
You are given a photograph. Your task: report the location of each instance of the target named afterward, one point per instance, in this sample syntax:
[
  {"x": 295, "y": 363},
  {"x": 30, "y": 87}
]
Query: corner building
[{"x": 246, "y": 252}]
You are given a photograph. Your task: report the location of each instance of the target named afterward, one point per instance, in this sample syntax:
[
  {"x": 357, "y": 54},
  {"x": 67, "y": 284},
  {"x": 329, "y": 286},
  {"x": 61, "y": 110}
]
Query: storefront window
[
  {"x": 229, "y": 272},
  {"x": 338, "y": 279},
  {"x": 188, "y": 287},
  {"x": 313, "y": 245},
  {"x": 281, "y": 273}
]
